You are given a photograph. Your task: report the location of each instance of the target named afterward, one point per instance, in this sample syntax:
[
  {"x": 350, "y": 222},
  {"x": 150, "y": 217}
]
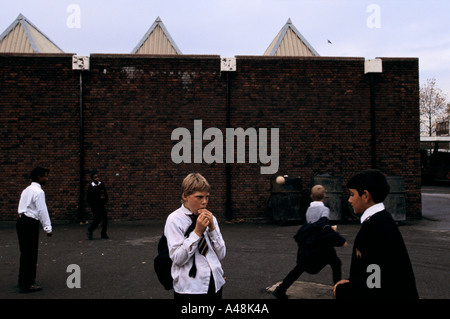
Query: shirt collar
[
  {"x": 316, "y": 203},
  {"x": 93, "y": 184},
  {"x": 186, "y": 210},
  {"x": 36, "y": 184},
  {"x": 372, "y": 210}
]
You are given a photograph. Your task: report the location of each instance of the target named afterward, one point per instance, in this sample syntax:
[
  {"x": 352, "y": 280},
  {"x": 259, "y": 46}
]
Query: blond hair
[
  {"x": 317, "y": 193},
  {"x": 194, "y": 182}
]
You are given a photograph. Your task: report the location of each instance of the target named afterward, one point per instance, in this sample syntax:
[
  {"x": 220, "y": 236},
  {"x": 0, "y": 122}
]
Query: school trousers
[
  {"x": 28, "y": 233},
  {"x": 211, "y": 294}
]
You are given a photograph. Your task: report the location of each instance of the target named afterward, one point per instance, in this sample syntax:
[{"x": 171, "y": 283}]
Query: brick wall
[
  {"x": 39, "y": 98},
  {"x": 397, "y": 126},
  {"x": 133, "y": 103}
]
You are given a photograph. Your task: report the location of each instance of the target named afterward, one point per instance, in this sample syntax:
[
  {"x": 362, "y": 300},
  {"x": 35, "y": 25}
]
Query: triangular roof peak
[
  {"x": 22, "y": 36},
  {"x": 290, "y": 42},
  {"x": 157, "y": 40}
]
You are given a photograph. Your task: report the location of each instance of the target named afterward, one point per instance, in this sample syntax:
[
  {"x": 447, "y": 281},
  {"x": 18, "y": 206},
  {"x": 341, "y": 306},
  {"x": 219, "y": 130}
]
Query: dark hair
[
  {"x": 38, "y": 172},
  {"x": 373, "y": 181},
  {"x": 93, "y": 173}
]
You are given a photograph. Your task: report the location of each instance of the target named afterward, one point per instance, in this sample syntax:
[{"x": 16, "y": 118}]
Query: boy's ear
[{"x": 367, "y": 196}]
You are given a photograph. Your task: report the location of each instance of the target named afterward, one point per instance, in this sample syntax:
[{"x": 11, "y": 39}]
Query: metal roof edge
[
  {"x": 157, "y": 22},
  {"x": 10, "y": 28},
  {"x": 285, "y": 28},
  {"x": 24, "y": 23},
  {"x": 303, "y": 39}
]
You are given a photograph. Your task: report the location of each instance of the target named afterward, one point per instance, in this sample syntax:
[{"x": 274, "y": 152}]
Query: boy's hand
[
  {"x": 345, "y": 245},
  {"x": 202, "y": 223},
  {"x": 208, "y": 215},
  {"x": 343, "y": 281}
]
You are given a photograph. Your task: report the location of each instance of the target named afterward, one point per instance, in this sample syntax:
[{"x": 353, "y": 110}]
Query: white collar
[
  {"x": 93, "y": 184},
  {"x": 372, "y": 210},
  {"x": 316, "y": 203},
  {"x": 36, "y": 185},
  {"x": 186, "y": 210}
]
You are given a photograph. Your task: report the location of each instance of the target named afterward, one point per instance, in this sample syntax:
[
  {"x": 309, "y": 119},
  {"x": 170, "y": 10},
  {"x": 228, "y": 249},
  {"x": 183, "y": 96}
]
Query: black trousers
[
  {"x": 99, "y": 216},
  {"x": 28, "y": 234},
  {"x": 313, "y": 267}
]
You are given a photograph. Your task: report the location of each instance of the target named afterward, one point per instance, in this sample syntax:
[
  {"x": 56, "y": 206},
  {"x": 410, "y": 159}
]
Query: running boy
[
  {"x": 378, "y": 246},
  {"x": 316, "y": 240},
  {"x": 196, "y": 269}
]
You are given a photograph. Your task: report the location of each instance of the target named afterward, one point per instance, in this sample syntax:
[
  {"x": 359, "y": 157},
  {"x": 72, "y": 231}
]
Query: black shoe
[
  {"x": 105, "y": 236},
  {"x": 279, "y": 293},
  {"x": 32, "y": 288},
  {"x": 89, "y": 235}
]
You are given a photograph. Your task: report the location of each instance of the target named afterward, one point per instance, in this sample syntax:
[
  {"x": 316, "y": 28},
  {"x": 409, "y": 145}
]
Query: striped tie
[{"x": 203, "y": 246}]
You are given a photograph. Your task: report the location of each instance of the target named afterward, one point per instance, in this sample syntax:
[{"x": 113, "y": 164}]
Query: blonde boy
[
  {"x": 196, "y": 269},
  {"x": 317, "y": 209}
]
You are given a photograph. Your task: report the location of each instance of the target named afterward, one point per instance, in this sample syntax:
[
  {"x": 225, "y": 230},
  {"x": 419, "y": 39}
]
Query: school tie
[{"x": 203, "y": 246}]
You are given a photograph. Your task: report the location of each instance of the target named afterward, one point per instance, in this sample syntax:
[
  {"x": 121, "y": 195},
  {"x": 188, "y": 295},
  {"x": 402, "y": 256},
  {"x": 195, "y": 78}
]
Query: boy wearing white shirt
[
  {"x": 317, "y": 209},
  {"x": 196, "y": 268},
  {"x": 316, "y": 241},
  {"x": 32, "y": 211}
]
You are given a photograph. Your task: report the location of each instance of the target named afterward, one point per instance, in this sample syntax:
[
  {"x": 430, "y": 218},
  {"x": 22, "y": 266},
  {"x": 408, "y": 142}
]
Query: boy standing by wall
[
  {"x": 97, "y": 197},
  {"x": 32, "y": 210},
  {"x": 196, "y": 269},
  {"x": 378, "y": 244}
]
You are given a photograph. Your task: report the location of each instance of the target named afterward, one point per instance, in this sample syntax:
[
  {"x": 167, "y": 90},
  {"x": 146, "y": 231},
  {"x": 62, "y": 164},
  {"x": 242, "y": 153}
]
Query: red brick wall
[
  {"x": 133, "y": 103},
  {"x": 397, "y": 126},
  {"x": 39, "y": 118},
  {"x": 132, "y": 106}
]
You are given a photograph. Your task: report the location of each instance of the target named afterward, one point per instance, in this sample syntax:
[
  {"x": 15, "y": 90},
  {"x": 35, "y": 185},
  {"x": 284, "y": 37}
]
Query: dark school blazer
[{"x": 379, "y": 242}]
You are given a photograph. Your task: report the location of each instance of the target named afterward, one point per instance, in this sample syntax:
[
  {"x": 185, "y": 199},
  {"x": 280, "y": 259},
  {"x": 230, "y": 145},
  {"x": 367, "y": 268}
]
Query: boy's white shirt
[
  {"x": 372, "y": 210},
  {"x": 182, "y": 249},
  {"x": 32, "y": 204},
  {"x": 316, "y": 203}
]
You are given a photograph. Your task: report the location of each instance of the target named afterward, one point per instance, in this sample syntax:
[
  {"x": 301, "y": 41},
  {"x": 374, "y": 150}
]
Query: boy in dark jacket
[
  {"x": 97, "y": 198},
  {"x": 316, "y": 241},
  {"x": 380, "y": 266}
]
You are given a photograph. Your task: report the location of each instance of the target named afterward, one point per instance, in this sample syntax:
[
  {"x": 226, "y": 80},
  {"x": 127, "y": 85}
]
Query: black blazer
[
  {"x": 379, "y": 242},
  {"x": 97, "y": 196},
  {"x": 316, "y": 242}
]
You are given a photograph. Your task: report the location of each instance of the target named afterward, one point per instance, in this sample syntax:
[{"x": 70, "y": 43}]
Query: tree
[{"x": 432, "y": 107}]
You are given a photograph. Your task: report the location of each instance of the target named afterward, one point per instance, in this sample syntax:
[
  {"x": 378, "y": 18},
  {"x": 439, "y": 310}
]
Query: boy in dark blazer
[
  {"x": 380, "y": 266},
  {"x": 316, "y": 241},
  {"x": 97, "y": 198}
]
